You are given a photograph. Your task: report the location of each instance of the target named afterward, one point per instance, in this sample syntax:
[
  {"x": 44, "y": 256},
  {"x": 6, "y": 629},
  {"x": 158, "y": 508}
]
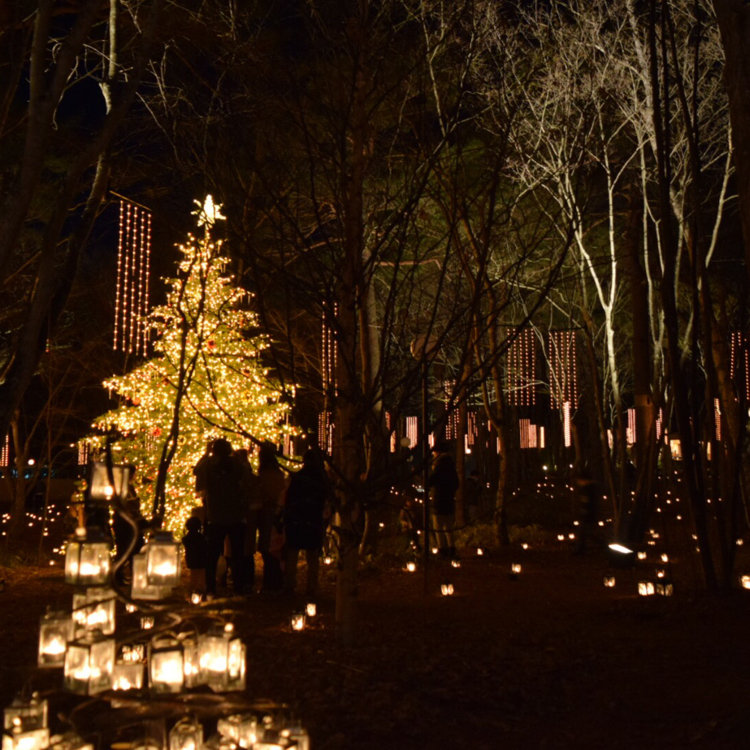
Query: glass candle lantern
[
  {"x": 311, "y": 609},
  {"x": 297, "y": 621},
  {"x": 220, "y": 652},
  {"x": 191, "y": 661},
  {"x": 26, "y": 715},
  {"x": 34, "y": 739},
  {"x": 242, "y": 729},
  {"x": 294, "y": 733},
  {"x": 89, "y": 662},
  {"x": 127, "y": 675},
  {"x": 609, "y": 582},
  {"x": 162, "y": 560},
  {"x": 446, "y": 589},
  {"x": 88, "y": 558},
  {"x": 515, "y": 570},
  {"x": 55, "y": 630},
  {"x": 645, "y": 588},
  {"x": 186, "y": 734},
  {"x": 166, "y": 667},
  {"x": 236, "y": 665},
  {"x": 132, "y": 652},
  {"x": 745, "y": 581},
  {"x": 94, "y": 610},
  {"x": 410, "y": 567},
  {"x": 664, "y": 588},
  {"x": 141, "y": 588}
]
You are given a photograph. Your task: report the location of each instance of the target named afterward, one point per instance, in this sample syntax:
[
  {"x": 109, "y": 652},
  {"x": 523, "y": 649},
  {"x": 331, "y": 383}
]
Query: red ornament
[
  {"x": 211, "y": 344},
  {"x": 156, "y": 431}
]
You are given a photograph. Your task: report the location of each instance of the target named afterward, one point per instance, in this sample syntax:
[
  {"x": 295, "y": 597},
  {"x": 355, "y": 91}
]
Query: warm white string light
[
  {"x": 5, "y": 452},
  {"x": 452, "y": 424},
  {"x": 717, "y": 419},
  {"x": 521, "y": 369},
  {"x": 630, "y": 433},
  {"x": 739, "y": 363},
  {"x": 412, "y": 430},
  {"x": 132, "y": 287},
  {"x": 563, "y": 369}
]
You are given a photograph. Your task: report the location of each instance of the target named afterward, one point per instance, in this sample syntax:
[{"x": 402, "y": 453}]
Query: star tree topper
[{"x": 208, "y": 213}]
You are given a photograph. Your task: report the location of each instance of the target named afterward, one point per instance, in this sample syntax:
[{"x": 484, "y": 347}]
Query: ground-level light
[
  {"x": 646, "y": 588},
  {"x": 186, "y": 734}
]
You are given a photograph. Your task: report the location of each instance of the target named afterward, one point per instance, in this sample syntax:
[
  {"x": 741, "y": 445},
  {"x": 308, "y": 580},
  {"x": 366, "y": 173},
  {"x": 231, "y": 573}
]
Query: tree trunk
[{"x": 734, "y": 24}]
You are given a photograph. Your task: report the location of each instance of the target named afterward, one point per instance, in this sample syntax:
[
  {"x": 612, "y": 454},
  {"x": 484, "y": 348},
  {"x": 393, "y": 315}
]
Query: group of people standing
[{"x": 243, "y": 512}]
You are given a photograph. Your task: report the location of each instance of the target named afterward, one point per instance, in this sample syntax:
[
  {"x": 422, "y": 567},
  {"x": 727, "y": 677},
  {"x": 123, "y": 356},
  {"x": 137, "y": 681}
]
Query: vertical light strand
[
  {"x": 139, "y": 310},
  {"x": 567, "y": 432},
  {"x": 659, "y": 425},
  {"x": 146, "y": 286},
  {"x": 5, "y": 452},
  {"x": 521, "y": 369},
  {"x": 412, "y": 430},
  {"x": 739, "y": 364},
  {"x": 126, "y": 276},
  {"x": 563, "y": 369},
  {"x": 717, "y": 419},
  {"x": 328, "y": 351},
  {"x": 451, "y": 423},
  {"x": 133, "y": 271},
  {"x": 471, "y": 428},
  {"x": 132, "y": 306},
  {"x": 630, "y": 432},
  {"x": 118, "y": 302},
  {"x": 83, "y": 454}
]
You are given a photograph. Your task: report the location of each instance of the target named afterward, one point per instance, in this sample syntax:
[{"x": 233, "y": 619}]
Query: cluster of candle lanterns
[{"x": 169, "y": 654}]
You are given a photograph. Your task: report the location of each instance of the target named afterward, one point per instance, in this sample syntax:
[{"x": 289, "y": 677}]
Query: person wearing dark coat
[
  {"x": 226, "y": 507},
  {"x": 442, "y": 484},
  {"x": 271, "y": 486},
  {"x": 304, "y": 527}
]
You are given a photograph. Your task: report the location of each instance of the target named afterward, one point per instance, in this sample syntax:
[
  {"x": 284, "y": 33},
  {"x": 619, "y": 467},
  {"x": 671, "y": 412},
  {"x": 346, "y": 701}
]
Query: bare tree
[{"x": 81, "y": 86}]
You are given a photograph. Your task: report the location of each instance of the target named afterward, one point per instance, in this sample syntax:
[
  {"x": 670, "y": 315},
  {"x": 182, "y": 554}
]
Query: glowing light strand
[
  {"x": 452, "y": 424},
  {"x": 132, "y": 285},
  {"x": 5, "y": 452},
  {"x": 563, "y": 369},
  {"x": 521, "y": 369},
  {"x": 120, "y": 234},
  {"x": 739, "y": 363}
]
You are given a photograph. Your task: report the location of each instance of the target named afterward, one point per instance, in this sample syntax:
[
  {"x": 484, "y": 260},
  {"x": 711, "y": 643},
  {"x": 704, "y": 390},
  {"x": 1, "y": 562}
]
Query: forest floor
[{"x": 549, "y": 659}]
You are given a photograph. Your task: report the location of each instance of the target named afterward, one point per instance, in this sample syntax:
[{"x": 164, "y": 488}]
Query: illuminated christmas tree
[{"x": 204, "y": 380}]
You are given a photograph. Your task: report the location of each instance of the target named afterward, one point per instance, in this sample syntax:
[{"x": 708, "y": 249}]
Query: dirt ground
[{"x": 550, "y": 659}]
